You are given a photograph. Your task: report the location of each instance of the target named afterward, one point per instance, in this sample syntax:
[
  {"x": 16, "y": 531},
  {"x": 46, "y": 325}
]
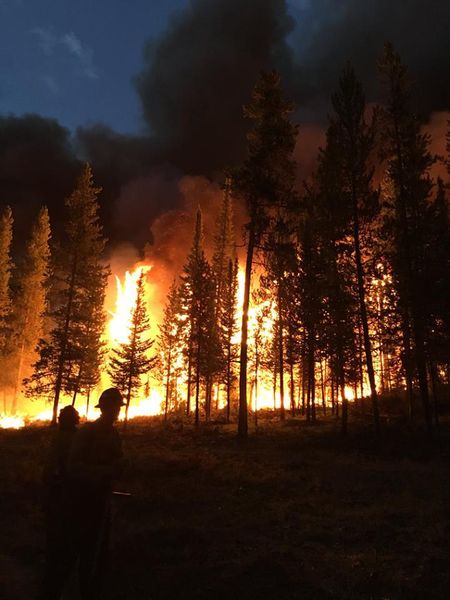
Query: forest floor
[{"x": 295, "y": 512}]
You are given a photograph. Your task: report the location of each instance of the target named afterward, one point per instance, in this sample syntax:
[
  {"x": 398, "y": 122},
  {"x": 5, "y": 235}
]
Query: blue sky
[{"x": 74, "y": 59}]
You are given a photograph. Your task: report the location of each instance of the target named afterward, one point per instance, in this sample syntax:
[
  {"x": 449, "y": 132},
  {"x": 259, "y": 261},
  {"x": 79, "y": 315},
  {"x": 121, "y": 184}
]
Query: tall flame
[{"x": 120, "y": 324}]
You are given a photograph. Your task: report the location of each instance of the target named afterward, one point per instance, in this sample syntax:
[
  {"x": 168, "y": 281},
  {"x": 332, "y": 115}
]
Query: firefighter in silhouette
[
  {"x": 94, "y": 464},
  {"x": 57, "y": 504}
]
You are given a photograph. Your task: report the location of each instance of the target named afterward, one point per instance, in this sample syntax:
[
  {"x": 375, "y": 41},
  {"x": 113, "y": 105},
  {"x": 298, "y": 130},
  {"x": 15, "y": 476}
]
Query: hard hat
[{"x": 110, "y": 397}]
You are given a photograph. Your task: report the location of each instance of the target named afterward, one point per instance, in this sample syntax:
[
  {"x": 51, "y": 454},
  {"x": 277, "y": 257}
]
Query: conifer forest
[{"x": 264, "y": 275}]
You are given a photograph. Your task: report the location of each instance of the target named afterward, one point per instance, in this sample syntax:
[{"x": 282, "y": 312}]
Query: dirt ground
[{"x": 296, "y": 512}]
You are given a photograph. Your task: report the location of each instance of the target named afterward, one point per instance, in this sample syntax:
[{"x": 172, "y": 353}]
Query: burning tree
[{"x": 130, "y": 360}]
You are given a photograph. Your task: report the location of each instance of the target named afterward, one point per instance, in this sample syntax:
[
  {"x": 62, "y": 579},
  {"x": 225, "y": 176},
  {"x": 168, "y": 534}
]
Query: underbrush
[{"x": 295, "y": 512}]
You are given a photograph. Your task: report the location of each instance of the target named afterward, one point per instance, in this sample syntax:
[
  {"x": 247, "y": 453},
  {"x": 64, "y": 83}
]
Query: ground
[{"x": 296, "y": 512}]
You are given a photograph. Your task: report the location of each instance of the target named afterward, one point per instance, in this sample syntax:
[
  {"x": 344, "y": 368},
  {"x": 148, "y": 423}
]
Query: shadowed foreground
[{"x": 295, "y": 513}]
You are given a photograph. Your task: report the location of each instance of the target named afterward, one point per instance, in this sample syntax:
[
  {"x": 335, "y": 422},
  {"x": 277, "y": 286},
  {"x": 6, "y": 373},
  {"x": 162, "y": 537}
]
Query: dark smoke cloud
[
  {"x": 37, "y": 167},
  {"x": 200, "y": 72},
  {"x": 195, "y": 79},
  {"x": 142, "y": 200},
  {"x": 331, "y": 32}
]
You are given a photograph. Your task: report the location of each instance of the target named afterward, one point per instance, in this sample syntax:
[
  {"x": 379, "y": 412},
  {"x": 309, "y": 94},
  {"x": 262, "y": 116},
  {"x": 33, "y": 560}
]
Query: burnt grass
[{"x": 295, "y": 512}]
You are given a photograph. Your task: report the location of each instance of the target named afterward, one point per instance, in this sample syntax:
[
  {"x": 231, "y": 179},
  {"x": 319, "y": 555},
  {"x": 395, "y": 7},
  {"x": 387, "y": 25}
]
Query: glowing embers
[{"x": 120, "y": 323}]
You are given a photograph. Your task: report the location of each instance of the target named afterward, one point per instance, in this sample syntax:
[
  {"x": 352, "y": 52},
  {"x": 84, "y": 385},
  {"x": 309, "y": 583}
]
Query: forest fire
[
  {"x": 328, "y": 309},
  {"x": 120, "y": 323},
  {"x": 263, "y": 390}
]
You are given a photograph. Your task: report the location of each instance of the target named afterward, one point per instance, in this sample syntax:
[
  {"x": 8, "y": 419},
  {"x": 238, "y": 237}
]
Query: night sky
[{"x": 74, "y": 59}]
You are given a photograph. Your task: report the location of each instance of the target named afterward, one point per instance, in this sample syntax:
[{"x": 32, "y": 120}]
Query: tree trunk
[
  {"x": 228, "y": 381},
  {"x": 292, "y": 388},
  {"x": 88, "y": 397},
  {"x": 18, "y": 378},
  {"x": 256, "y": 393},
  {"x": 322, "y": 385},
  {"x": 304, "y": 383},
  {"x": 208, "y": 397},
  {"x": 169, "y": 368},
  {"x": 344, "y": 422},
  {"x": 419, "y": 343},
  {"x": 434, "y": 387},
  {"x": 281, "y": 354},
  {"x": 197, "y": 385},
  {"x": 364, "y": 320},
  {"x": 407, "y": 360},
  {"x": 243, "y": 359},
  {"x": 77, "y": 385},
  {"x": 188, "y": 399},
  {"x": 311, "y": 373}
]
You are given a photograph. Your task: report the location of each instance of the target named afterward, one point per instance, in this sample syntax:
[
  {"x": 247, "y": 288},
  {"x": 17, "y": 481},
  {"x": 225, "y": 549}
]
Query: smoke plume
[{"x": 195, "y": 78}]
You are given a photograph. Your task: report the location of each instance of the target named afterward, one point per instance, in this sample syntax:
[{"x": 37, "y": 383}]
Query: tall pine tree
[
  {"x": 264, "y": 182},
  {"x": 408, "y": 157},
  {"x": 79, "y": 284},
  {"x": 355, "y": 139},
  {"x": 198, "y": 295}
]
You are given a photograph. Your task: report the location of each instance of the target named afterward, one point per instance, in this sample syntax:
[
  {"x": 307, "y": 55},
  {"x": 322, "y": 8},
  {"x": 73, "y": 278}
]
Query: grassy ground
[{"x": 296, "y": 512}]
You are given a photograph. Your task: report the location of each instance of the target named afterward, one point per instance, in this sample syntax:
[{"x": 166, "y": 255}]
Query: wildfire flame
[
  {"x": 262, "y": 395},
  {"x": 120, "y": 323},
  {"x": 119, "y": 329}
]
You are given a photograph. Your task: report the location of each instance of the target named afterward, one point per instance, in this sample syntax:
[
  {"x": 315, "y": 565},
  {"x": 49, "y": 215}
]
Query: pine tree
[
  {"x": 228, "y": 328},
  {"x": 79, "y": 283},
  {"x": 281, "y": 265},
  {"x": 198, "y": 300},
  {"x": 224, "y": 247},
  {"x": 406, "y": 150},
  {"x": 265, "y": 182},
  {"x": 88, "y": 336},
  {"x": 436, "y": 282},
  {"x": 310, "y": 294},
  {"x": 355, "y": 140},
  {"x": 225, "y": 269},
  {"x": 130, "y": 361},
  {"x": 333, "y": 224},
  {"x": 169, "y": 348},
  {"x": 31, "y": 301}
]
